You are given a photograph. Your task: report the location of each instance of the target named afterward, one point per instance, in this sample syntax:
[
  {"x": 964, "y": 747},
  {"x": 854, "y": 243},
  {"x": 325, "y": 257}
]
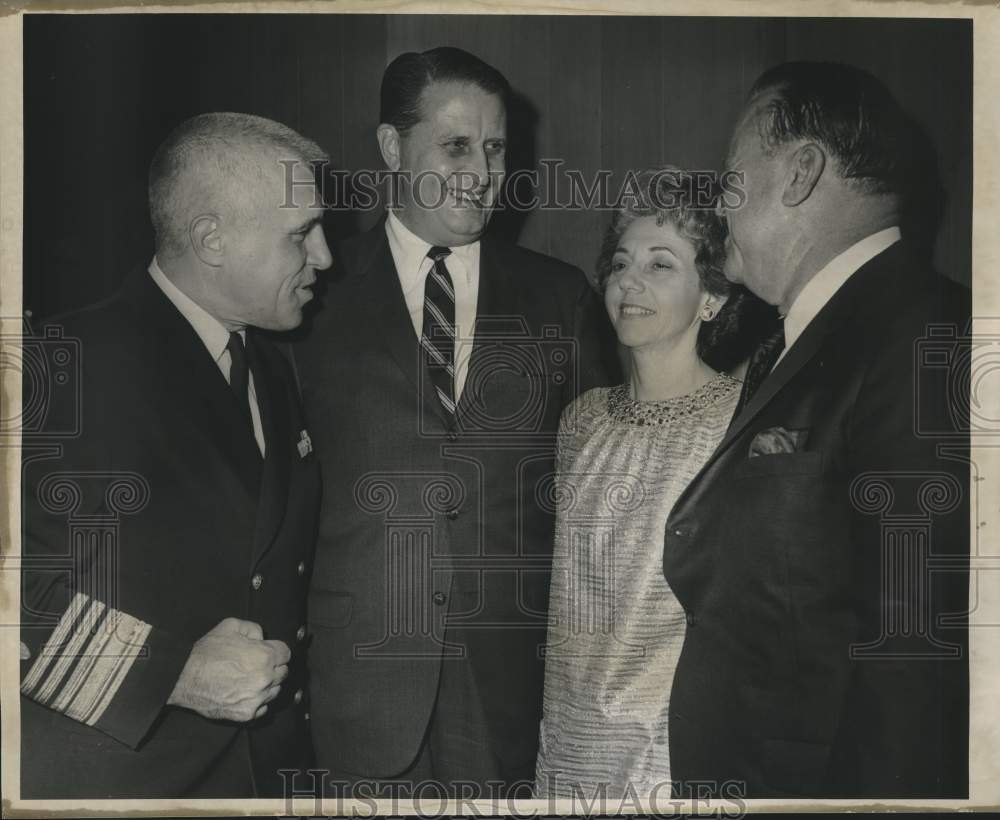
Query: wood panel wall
[{"x": 613, "y": 93}]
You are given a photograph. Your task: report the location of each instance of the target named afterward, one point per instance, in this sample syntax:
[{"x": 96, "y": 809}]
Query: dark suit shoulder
[
  {"x": 353, "y": 252},
  {"x": 103, "y": 320},
  {"x": 106, "y": 338},
  {"x": 533, "y": 263},
  {"x": 941, "y": 296},
  {"x": 893, "y": 296},
  {"x": 904, "y": 296}
]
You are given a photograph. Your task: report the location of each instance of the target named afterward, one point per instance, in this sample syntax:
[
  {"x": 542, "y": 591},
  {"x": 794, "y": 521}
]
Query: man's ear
[
  {"x": 206, "y": 239},
  {"x": 389, "y": 144},
  {"x": 805, "y": 168}
]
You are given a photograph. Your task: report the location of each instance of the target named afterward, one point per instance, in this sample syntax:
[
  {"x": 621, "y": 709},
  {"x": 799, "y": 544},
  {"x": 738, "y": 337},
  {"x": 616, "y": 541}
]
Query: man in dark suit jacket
[
  {"x": 821, "y": 553},
  {"x": 168, "y": 535},
  {"x": 450, "y": 358}
]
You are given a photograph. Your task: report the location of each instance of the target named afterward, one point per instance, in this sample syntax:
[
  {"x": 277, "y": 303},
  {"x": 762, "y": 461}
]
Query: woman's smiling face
[{"x": 654, "y": 294}]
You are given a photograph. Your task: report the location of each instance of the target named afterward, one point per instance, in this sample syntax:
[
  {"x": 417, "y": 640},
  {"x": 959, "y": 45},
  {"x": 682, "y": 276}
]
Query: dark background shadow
[
  {"x": 522, "y": 147},
  {"x": 925, "y": 198},
  {"x": 598, "y": 93}
]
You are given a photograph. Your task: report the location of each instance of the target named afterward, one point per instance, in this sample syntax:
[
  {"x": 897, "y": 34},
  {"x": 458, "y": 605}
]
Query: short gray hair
[{"x": 214, "y": 161}]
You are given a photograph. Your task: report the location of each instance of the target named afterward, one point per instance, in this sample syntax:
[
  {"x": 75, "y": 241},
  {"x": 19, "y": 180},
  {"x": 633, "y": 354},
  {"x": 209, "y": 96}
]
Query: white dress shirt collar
[
  {"x": 210, "y": 330},
  {"x": 820, "y": 289},
  {"x": 409, "y": 252}
]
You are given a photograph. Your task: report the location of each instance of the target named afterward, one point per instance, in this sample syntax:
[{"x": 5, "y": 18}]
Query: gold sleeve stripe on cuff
[
  {"x": 53, "y": 647},
  {"x": 69, "y": 651},
  {"x": 116, "y": 639},
  {"x": 122, "y": 643},
  {"x": 84, "y": 665}
]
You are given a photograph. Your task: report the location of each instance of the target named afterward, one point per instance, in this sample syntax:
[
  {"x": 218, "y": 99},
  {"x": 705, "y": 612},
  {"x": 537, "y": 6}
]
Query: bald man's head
[{"x": 223, "y": 164}]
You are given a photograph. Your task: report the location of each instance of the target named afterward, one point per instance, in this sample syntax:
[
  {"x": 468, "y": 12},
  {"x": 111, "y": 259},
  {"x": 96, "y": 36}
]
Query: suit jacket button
[
  {"x": 439, "y": 598},
  {"x": 301, "y": 568},
  {"x": 452, "y": 514},
  {"x": 297, "y": 697},
  {"x": 691, "y": 619},
  {"x": 452, "y": 435},
  {"x": 300, "y": 633},
  {"x": 256, "y": 581}
]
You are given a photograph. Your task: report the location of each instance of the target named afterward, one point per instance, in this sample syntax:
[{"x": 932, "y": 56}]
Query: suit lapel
[
  {"x": 184, "y": 376},
  {"x": 791, "y": 363},
  {"x": 392, "y": 323},
  {"x": 277, "y": 435},
  {"x": 833, "y": 315},
  {"x": 488, "y": 304}
]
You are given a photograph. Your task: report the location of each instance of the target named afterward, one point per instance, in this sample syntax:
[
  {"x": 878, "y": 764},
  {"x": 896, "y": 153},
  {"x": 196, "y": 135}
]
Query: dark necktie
[
  {"x": 761, "y": 364},
  {"x": 239, "y": 375},
  {"x": 438, "y": 337}
]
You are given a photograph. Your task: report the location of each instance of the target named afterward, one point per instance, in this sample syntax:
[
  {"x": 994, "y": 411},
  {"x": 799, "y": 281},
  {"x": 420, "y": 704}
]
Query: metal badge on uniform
[{"x": 305, "y": 444}]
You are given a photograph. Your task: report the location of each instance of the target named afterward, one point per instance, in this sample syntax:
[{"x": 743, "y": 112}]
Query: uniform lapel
[
  {"x": 183, "y": 376},
  {"x": 278, "y": 440}
]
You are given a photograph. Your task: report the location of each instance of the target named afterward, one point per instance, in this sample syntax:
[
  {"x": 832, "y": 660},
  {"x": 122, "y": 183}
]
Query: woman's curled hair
[{"x": 688, "y": 201}]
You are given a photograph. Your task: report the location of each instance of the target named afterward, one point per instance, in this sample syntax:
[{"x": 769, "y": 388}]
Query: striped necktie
[{"x": 438, "y": 337}]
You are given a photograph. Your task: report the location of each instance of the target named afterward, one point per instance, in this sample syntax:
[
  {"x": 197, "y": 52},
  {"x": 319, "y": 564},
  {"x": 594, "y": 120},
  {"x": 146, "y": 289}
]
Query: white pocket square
[{"x": 305, "y": 444}]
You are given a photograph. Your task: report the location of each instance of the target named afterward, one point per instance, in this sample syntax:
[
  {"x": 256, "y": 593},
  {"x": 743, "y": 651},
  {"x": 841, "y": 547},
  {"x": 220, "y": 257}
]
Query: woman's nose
[{"x": 630, "y": 279}]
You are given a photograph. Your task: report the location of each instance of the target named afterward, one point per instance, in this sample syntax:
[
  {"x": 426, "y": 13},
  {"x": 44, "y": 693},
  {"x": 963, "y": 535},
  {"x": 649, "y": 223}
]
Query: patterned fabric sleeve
[{"x": 573, "y": 424}]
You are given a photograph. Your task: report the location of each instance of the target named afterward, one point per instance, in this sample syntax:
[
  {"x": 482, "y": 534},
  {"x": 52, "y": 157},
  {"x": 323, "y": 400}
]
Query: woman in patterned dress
[{"x": 625, "y": 454}]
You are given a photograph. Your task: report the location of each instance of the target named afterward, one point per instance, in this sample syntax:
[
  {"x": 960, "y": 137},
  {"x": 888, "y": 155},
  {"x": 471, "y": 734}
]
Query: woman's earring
[{"x": 707, "y": 313}]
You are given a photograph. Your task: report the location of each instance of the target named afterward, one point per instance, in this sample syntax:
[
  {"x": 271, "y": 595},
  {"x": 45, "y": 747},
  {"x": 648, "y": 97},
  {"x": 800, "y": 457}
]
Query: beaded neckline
[{"x": 623, "y": 408}]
